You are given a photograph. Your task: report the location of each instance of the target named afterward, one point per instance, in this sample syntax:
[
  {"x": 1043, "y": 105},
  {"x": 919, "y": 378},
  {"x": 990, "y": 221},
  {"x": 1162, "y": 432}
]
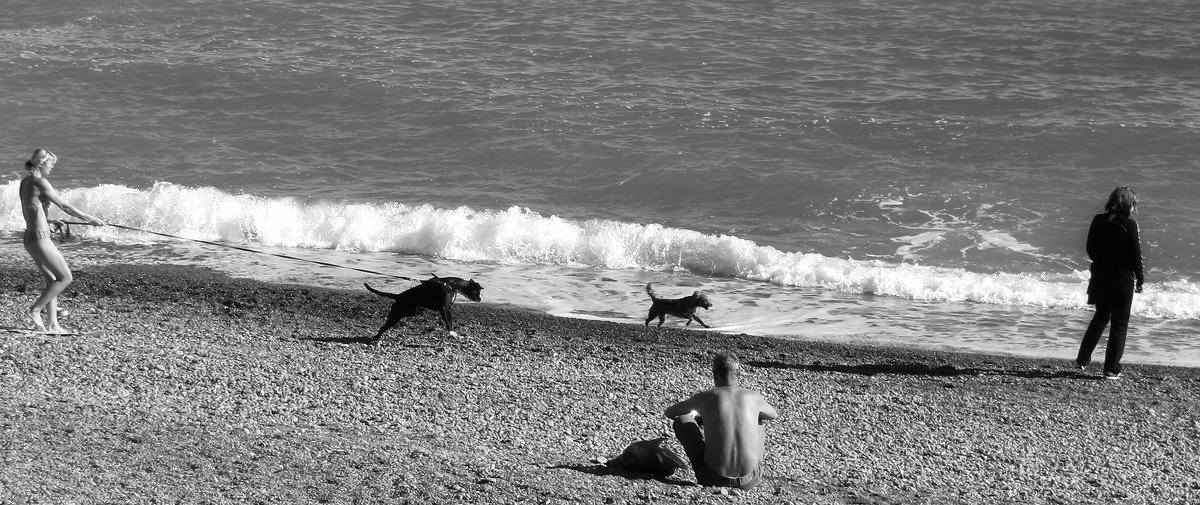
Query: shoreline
[
  {"x": 1059, "y": 332},
  {"x": 205, "y": 388}
]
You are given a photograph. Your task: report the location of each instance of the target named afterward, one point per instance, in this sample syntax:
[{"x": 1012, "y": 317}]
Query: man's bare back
[{"x": 733, "y": 438}]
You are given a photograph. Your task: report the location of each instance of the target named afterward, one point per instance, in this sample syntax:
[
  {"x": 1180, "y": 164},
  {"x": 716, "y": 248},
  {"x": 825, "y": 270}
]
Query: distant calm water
[{"x": 885, "y": 171}]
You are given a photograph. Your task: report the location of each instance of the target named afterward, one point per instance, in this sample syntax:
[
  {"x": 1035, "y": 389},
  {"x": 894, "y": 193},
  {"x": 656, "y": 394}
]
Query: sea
[{"x": 899, "y": 172}]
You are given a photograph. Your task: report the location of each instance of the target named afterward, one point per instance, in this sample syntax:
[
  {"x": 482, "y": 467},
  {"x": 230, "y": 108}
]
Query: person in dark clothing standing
[{"x": 1116, "y": 253}]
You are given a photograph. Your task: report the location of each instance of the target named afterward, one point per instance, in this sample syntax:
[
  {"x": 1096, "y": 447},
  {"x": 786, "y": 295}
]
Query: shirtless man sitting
[{"x": 721, "y": 429}]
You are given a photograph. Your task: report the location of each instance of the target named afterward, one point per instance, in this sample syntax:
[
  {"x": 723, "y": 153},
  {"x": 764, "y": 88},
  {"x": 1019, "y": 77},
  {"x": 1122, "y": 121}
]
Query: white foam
[{"x": 519, "y": 236}]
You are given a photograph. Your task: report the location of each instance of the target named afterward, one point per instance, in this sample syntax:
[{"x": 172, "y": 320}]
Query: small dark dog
[
  {"x": 434, "y": 294},
  {"x": 678, "y": 307}
]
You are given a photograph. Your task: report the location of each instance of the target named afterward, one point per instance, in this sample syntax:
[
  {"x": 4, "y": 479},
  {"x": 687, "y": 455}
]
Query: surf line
[{"x": 246, "y": 249}]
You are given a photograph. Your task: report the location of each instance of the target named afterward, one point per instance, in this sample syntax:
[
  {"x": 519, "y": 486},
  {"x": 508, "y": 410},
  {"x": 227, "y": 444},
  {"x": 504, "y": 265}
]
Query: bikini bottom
[{"x": 32, "y": 236}]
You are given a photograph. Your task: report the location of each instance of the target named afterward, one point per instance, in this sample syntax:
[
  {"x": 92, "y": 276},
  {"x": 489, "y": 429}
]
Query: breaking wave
[{"x": 517, "y": 236}]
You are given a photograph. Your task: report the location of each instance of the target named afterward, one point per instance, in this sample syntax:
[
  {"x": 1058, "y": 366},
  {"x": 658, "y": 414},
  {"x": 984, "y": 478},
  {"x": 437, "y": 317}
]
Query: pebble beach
[{"x": 194, "y": 387}]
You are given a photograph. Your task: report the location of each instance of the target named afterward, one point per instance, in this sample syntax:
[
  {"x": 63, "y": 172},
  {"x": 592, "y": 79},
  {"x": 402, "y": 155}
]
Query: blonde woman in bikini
[{"x": 36, "y": 196}]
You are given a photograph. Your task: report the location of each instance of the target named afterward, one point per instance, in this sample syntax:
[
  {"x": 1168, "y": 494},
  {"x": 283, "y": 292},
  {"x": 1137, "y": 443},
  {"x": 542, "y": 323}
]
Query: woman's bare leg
[
  {"x": 52, "y": 316},
  {"x": 57, "y": 275},
  {"x": 36, "y": 315}
]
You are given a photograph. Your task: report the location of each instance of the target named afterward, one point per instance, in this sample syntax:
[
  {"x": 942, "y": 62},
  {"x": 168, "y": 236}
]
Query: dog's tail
[
  {"x": 650, "y": 291},
  {"x": 378, "y": 292}
]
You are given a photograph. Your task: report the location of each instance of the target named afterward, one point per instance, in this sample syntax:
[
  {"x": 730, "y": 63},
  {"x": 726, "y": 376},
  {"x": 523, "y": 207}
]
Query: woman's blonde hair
[{"x": 41, "y": 156}]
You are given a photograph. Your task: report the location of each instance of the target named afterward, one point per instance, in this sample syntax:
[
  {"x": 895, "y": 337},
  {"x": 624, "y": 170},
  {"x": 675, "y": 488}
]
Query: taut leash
[{"x": 240, "y": 248}]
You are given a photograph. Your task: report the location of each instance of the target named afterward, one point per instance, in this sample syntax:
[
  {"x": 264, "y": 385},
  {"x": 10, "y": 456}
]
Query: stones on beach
[{"x": 260, "y": 407}]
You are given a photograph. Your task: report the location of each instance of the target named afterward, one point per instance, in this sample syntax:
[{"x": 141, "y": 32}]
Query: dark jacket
[{"x": 1115, "y": 249}]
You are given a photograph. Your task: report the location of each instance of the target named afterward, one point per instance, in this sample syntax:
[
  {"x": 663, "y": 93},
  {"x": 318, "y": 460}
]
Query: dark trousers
[{"x": 1112, "y": 308}]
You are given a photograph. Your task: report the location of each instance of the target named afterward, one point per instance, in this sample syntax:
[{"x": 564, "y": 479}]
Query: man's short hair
[{"x": 726, "y": 365}]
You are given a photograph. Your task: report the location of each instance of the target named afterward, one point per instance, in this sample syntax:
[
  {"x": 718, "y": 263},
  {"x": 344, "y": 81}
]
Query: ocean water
[{"x": 914, "y": 172}]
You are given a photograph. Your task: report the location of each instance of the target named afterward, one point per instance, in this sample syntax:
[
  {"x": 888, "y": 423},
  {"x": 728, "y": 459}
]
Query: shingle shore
[{"x": 206, "y": 389}]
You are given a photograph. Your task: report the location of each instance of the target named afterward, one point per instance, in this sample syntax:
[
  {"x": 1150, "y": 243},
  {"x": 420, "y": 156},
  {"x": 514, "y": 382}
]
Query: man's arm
[
  {"x": 682, "y": 407},
  {"x": 765, "y": 411}
]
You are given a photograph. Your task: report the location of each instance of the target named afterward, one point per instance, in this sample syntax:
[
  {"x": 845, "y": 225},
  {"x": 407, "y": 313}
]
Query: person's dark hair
[
  {"x": 726, "y": 366},
  {"x": 1121, "y": 201}
]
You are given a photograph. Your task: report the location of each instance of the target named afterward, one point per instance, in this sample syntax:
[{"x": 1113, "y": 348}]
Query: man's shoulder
[{"x": 736, "y": 391}]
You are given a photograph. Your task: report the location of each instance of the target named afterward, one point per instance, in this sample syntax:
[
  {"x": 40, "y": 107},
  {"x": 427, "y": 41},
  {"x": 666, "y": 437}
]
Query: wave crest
[{"x": 518, "y": 235}]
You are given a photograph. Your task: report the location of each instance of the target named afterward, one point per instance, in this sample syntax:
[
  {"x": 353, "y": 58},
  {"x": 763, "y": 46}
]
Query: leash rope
[{"x": 240, "y": 248}]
